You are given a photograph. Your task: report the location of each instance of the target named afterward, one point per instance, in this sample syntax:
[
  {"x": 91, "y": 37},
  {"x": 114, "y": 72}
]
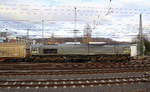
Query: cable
[{"x": 109, "y": 9}]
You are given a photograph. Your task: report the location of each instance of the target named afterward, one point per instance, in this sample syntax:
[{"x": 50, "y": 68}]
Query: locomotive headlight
[
  {"x": 126, "y": 51},
  {"x": 35, "y": 51}
]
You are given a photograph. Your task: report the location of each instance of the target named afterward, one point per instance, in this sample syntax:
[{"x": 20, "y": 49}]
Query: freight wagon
[{"x": 12, "y": 51}]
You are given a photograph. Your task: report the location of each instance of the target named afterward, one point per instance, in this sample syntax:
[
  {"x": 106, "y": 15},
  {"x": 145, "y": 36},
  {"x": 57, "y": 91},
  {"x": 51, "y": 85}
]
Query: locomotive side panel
[
  {"x": 77, "y": 49},
  {"x": 84, "y": 49}
]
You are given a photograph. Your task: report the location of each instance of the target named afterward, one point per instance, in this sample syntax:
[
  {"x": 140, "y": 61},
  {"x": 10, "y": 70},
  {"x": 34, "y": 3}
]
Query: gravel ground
[
  {"x": 77, "y": 76},
  {"x": 139, "y": 87}
]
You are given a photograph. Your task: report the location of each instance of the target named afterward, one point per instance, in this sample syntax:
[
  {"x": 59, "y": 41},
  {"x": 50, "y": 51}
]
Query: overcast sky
[{"x": 116, "y": 19}]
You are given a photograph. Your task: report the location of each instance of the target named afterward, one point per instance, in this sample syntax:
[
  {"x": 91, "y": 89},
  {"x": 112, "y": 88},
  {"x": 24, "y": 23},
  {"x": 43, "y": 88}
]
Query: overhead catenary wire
[
  {"x": 124, "y": 11},
  {"x": 109, "y": 9},
  {"x": 83, "y": 9}
]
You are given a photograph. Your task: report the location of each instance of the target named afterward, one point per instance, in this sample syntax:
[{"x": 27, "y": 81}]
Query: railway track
[
  {"x": 70, "y": 66},
  {"x": 71, "y": 72},
  {"x": 44, "y": 76},
  {"x": 71, "y": 83},
  {"x": 14, "y": 69}
]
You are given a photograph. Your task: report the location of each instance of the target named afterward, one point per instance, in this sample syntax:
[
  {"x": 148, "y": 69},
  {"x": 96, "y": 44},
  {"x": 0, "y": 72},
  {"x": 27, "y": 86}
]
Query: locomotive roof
[{"x": 76, "y": 45}]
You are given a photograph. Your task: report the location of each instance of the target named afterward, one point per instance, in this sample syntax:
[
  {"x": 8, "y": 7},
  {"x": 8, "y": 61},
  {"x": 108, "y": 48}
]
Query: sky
[{"x": 117, "y": 19}]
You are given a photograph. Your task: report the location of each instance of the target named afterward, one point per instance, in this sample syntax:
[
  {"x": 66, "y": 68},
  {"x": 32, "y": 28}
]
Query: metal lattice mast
[
  {"x": 43, "y": 31},
  {"x": 75, "y": 25},
  {"x": 27, "y": 37},
  {"x": 141, "y": 43},
  {"x": 42, "y": 28}
]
